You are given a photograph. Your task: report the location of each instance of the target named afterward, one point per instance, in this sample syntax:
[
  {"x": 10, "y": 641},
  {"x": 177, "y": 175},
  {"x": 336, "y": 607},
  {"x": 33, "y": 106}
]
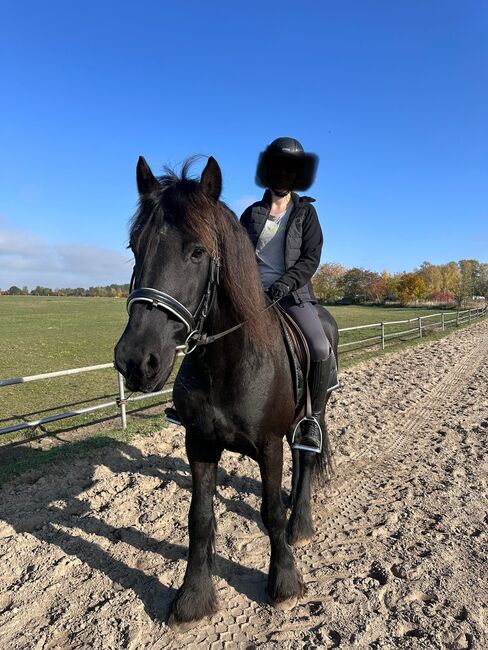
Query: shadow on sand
[{"x": 51, "y": 524}]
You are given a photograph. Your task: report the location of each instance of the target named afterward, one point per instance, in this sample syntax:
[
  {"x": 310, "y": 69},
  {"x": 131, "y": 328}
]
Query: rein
[{"x": 194, "y": 323}]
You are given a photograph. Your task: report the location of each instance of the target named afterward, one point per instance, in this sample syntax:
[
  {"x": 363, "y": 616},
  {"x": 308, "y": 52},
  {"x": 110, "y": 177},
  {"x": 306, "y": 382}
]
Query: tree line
[
  {"x": 450, "y": 284},
  {"x": 110, "y": 291},
  {"x": 453, "y": 284}
]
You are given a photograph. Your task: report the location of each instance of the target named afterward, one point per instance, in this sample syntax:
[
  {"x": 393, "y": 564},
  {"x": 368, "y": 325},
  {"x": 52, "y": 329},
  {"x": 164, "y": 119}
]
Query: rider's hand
[{"x": 278, "y": 290}]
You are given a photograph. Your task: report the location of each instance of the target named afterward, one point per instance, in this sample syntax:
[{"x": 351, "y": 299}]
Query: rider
[{"x": 285, "y": 231}]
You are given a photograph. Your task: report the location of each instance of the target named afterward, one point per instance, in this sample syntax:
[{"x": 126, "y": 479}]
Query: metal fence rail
[
  {"x": 49, "y": 375},
  {"x": 122, "y": 400},
  {"x": 467, "y": 315}
]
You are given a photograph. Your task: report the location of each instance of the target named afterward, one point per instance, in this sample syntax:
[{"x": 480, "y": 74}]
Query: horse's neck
[{"x": 236, "y": 346}]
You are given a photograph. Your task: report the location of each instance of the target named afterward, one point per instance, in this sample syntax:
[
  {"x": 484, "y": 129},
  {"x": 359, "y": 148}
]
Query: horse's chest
[{"x": 212, "y": 423}]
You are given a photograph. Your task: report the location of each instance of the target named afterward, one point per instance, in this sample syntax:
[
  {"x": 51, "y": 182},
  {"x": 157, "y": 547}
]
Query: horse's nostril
[
  {"x": 152, "y": 362},
  {"x": 119, "y": 359}
]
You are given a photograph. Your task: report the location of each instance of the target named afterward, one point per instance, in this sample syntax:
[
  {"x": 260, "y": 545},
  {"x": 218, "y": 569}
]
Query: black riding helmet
[{"x": 289, "y": 149}]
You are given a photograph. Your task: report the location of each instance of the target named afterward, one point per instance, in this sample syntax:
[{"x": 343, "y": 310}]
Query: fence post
[
  {"x": 382, "y": 336},
  {"x": 442, "y": 319},
  {"x": 420, "y": 326},
  {"x": 457, "y": 318},
  {"x": 122, "y": 401},
  {"x": 470, "y": 316}
]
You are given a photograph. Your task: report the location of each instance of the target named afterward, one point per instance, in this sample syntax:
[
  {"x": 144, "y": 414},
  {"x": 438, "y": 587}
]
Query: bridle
[{"x": 194, "y": 322}]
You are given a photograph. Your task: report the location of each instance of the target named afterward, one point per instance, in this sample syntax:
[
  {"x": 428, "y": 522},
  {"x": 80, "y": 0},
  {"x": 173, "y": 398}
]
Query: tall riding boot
[{"x": 308, "y": 434}]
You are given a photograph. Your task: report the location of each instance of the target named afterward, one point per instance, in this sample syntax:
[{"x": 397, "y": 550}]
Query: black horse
[{"x": 195, "y": 269}]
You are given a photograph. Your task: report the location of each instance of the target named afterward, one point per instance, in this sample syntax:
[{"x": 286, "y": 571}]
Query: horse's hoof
[
  {"x": 286, "y": 605},
  {"x": 180, "y": 627}
]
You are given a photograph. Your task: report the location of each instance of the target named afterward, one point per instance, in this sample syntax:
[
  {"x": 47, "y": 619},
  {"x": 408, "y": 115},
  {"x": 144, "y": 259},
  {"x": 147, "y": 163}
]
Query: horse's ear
[
  {"x": 211, "y": 179},
  {"x": 146, "y": 181}
]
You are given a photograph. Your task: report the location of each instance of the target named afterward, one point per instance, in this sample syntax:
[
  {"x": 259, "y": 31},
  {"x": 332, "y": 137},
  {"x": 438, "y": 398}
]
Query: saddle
[{"x": 299, "y": 358}]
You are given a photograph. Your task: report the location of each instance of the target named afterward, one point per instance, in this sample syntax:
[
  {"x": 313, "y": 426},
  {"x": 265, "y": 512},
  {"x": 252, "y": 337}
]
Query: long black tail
[{"x": 324, "y": 462}]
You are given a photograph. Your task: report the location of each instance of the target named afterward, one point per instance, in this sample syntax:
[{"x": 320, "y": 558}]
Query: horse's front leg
[
  {"x": 285, "y": 584},
  {"x": 197, "y": 597}
]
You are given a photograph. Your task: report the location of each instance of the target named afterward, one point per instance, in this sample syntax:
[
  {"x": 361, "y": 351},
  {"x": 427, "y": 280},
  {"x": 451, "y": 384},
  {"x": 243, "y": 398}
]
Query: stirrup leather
[{"x": 299, "y": 445}]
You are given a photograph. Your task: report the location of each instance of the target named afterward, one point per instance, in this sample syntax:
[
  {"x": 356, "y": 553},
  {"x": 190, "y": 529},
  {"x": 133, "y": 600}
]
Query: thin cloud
[{"x": 29, "y": 260}]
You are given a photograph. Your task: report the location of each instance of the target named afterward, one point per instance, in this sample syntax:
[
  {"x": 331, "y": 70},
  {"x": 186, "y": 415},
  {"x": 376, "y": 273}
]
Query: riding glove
[{"x": 278, "y": 290}]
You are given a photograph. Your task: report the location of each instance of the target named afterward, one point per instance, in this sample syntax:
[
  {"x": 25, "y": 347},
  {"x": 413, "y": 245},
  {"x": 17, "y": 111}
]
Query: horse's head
[{"x": 173, "y": 240}]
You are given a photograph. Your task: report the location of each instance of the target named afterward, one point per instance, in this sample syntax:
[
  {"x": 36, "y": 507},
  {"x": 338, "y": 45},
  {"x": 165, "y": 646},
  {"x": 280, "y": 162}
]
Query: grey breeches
[{"x": 309, "y": 322}]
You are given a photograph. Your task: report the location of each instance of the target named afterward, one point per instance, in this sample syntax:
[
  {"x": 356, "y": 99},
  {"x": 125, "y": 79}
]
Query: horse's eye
[{"x": 197, "y": 253}]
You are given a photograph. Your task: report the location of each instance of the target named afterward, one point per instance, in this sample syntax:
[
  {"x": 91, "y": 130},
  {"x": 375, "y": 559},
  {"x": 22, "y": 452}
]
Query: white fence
[
  {"x": 121, "y": 400},
  {"x": 467, "y": 315}
]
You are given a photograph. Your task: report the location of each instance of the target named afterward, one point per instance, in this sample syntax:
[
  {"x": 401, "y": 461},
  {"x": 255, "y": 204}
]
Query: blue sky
[{"x": 393, "y": 97}]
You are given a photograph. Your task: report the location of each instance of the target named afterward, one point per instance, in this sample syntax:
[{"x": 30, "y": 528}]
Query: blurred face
[{"x": 282, "y": 173}]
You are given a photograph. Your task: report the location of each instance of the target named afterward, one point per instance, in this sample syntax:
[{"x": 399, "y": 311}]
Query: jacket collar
[{"x": 297, "y": 200}]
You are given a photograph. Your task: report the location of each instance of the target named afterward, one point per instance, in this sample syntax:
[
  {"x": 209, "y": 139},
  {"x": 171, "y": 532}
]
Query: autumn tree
[
  {"x": 379, "y": 287},
  {"x": 481, "y": 284},
  {"x": 411, "y": 286},
  {"x": 328, "y": 282},
  {"x": 432, "y": 277},
  {"x": 451, "y": 278},
  {"x": 469, "y": 276},
  {"x": 357, "y": 284}
]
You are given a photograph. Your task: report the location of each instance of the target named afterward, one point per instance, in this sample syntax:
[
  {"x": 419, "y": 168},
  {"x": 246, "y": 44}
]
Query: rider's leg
[{"x": 322, "y": 369}]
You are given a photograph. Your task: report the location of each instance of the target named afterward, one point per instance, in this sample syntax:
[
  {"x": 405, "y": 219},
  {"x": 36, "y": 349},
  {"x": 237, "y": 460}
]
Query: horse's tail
[{"x": 324, "y": 462}]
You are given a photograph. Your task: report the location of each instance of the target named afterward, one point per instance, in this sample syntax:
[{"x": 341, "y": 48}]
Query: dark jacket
[{"x": 303, "y": 241}]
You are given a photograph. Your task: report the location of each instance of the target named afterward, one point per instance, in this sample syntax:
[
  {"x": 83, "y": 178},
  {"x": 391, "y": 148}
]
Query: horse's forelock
[{"x": 183, "y": 203}]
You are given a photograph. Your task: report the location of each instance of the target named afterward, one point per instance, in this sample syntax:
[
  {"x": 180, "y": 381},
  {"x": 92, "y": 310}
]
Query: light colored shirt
[{"x": 270, "y": 249}]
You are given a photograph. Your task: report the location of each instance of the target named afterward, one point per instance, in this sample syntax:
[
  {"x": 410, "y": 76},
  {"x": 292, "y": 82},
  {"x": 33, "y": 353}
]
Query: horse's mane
[{"x": 182, "y": 201}]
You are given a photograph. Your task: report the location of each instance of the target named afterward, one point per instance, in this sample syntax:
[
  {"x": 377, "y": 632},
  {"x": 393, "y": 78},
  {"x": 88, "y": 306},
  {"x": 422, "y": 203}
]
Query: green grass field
[
  {"x": 42, "y": 334},
  {"x": 45, "y": 334}
]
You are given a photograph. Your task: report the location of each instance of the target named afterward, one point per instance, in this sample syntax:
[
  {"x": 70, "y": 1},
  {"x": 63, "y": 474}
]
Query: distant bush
[{"x": 442, "y": 296}]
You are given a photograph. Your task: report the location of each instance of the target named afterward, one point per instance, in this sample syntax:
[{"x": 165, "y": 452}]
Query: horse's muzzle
[{"x": 144, "y": 370}]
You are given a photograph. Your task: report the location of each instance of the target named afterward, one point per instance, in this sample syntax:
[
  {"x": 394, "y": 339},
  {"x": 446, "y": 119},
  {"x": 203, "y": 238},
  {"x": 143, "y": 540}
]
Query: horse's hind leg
[
  {"x": 197, "y": 598},
  {"x": 285, "y": 584},
  {"x": 300, "y": 527}
]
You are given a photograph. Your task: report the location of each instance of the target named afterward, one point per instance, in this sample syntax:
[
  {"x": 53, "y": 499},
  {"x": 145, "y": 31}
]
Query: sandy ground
[{"x": 92, "y": 552}]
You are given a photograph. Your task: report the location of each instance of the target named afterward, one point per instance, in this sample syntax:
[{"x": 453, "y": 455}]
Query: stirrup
[
  {"x": 172, "y": 416},
  {"x": 299, "y": 445}
]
